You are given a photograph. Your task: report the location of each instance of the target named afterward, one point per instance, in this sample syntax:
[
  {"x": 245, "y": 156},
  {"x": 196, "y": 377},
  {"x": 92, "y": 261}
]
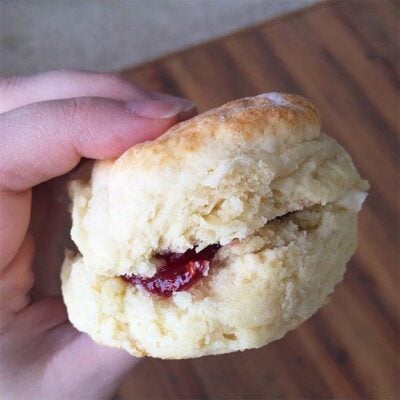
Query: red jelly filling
[{"x": 179, "y": 271}]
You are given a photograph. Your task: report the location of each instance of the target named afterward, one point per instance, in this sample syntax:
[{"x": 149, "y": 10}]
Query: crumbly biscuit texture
[
  {"x": 257, "y": 290},
  {"x": 255, "y": 176},
  {"x": 217, "y": 177}
]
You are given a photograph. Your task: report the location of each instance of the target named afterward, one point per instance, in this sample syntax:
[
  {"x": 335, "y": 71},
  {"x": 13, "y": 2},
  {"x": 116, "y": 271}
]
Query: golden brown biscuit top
[{"x": 284, "y": 119}]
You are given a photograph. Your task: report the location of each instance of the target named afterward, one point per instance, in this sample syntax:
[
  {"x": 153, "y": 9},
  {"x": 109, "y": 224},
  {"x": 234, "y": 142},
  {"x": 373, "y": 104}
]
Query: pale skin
[{"x": 48, "y": 122}]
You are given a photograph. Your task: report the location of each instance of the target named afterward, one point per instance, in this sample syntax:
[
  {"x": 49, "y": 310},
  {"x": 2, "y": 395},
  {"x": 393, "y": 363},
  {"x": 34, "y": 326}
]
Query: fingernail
[{"x": 165, "y": 108}]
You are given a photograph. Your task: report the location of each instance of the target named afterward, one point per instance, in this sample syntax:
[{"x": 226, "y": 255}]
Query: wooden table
[{"x": 342, "y": 55}]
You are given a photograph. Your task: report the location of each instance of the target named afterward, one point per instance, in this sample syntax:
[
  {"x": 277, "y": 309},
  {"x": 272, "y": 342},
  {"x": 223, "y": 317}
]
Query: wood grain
[{"x": 343, "y": 55}]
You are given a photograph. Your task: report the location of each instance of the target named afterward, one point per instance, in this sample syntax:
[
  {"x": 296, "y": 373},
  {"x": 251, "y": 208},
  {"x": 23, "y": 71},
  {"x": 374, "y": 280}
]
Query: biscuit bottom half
[{"x": 256, "y": 290}]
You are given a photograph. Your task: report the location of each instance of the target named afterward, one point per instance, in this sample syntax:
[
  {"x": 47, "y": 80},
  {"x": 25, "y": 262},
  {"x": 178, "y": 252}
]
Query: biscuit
[{"x": 256, "y": 182}]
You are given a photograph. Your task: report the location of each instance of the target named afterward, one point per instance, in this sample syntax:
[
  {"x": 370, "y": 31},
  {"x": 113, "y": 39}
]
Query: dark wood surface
[{"x": 344, "y": 56}]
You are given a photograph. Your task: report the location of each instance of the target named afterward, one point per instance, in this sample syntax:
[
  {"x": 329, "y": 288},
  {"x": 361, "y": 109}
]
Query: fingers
[
  {"x": 54, "y": 355},
  {"x": 108, "y": 365},
  {"x": 47, "y": 139},
  {"x": 15, "y": 283},
  {"x": 44, "y": 140},
  {"x": 14, "y": 219},
  {"x": 20, "y": 91},
  {"x": 41, "y": 316}
]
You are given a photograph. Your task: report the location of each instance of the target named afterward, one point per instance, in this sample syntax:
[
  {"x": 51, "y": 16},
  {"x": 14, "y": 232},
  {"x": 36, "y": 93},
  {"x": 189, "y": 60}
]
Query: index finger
[{"x": 65, "y": 84}]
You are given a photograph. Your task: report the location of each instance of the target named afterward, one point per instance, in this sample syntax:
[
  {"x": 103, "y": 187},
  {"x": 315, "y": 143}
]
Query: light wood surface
[{"x": 345, "y": 57}]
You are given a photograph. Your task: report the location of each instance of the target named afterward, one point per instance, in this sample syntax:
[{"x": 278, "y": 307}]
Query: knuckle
[
  {"x": 29, "y": 280},
  {"x": 69, "y": 109},
  {"x": 12, "y": 283},
  {"x": 75, "y": 114},
  {"x": 24, "y": 283}
]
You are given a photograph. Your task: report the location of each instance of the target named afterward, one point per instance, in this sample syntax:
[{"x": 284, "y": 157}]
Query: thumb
[{"x": 47, "y": 139}]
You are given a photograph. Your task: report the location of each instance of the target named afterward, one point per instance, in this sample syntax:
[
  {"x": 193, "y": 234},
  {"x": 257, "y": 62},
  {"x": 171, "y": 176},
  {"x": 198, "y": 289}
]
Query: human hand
[{"x": 47, "y": 123}]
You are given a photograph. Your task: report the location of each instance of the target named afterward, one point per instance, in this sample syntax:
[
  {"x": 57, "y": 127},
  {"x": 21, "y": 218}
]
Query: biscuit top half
[
  {"x": 266, "y": 122},
  {"x": 218, "y": 177}
]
